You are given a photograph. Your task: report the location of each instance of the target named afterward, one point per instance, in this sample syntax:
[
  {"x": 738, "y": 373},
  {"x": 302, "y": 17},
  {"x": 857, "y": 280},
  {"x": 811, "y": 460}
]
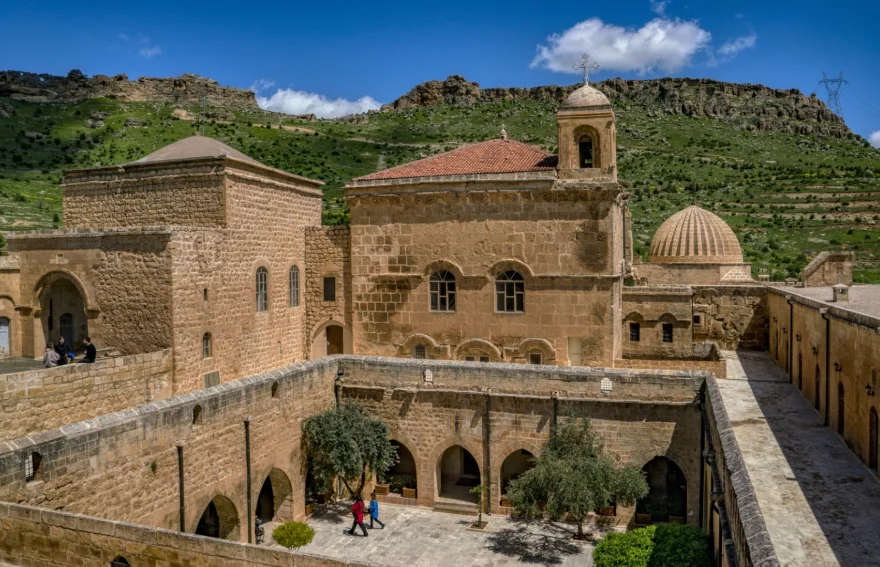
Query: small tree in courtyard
[
  {"x": 574, "y": 476},
  {"x": 347, "y": 443}
]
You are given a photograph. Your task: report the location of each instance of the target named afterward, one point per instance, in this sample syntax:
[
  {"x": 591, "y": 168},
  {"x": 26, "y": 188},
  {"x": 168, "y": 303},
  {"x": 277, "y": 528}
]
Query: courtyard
[{"x": 419, "y": 537}]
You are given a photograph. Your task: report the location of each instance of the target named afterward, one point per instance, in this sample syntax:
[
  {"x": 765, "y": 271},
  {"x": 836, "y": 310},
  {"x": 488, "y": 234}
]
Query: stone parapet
[{"x": 718, "y": 368}]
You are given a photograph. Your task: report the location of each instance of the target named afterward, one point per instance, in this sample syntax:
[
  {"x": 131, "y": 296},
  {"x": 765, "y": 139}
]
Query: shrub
[
  {"x": 293, "y": 534},
  {"x": 655, "y": 546}
]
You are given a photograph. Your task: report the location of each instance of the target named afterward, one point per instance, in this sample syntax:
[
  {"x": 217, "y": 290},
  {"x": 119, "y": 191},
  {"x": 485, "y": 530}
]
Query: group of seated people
[{"x": 61, "y": 353}]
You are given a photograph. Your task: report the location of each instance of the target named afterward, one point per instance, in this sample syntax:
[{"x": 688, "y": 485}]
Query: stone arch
[
  {"x": 478, "y": 347},
  {"x": 47, "y": 279},
  {"x": 457, "y": 471},
  {"x": 321, "y": 337},
  {"x": 634, "y": 316},
  {"x": 587, "y": 130},
  {"x": 219, "y": 519},
  {"x": 64, "y": 307},
  {"x": 434, "y": 350},
  {"x": 447, "y": 265},
  {"x": 510, "y": 264},
  {"x": 667, "y": 496},
  {"x": 119, "y": 561},
  {"x": 406, "y": 466},
  {"x": 274, "y": 502},
  {"x": 513, "y": 466},
  {"x": 535, "y": 344},
  {"x": 667, "y": 318}
]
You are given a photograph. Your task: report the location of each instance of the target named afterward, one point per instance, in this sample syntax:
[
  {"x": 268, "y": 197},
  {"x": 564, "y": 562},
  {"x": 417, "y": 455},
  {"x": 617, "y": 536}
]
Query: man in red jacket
[{"x": 357, "y": 510}]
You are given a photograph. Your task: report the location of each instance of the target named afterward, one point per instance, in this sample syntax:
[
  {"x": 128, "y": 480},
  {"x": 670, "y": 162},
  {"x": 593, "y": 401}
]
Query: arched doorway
[
  {"x": 873, "y": 440},
  {"x": 841, "y": 409},
  {"x": 65, "y": 324},
  {"x": 120, "y": 561},
  {"x": 4, "y": 336},
  {"x": 514, "y": 466},
  {"x": 335, "y": 341},
  {"x": 331, "y": 337},
  {"x": 62, "y": 311},
  {"x": 403, "y": 474},
  {"x": 220, "y": 520},
  {"x": 458, "y": 473},
  {"x": 275, "y": 501},
  {"x": 667, "y": 497},
  {"x": 816, "y": 387}
]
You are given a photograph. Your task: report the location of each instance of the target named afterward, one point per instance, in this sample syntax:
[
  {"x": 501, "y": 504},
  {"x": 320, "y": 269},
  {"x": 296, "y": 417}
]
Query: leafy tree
[
  {"x": 347, "y": 443},
  {"x": 477, "y": 492},
  {"x": 574, "y": 476}
]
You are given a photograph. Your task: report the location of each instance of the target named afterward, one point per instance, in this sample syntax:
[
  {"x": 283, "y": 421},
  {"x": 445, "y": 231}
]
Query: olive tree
[
  {"x": 347, "y": 443},
  {"x": 574, "y": 476}
]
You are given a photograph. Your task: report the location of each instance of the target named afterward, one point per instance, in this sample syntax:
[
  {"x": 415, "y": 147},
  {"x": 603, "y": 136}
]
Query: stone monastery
[{"x": 477, "y": 297}]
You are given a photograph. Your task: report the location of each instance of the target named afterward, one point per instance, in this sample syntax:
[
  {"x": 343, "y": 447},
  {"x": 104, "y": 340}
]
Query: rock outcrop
[
  {"x": 755, "y": 107},
  {"x": 33, "y": 87}
]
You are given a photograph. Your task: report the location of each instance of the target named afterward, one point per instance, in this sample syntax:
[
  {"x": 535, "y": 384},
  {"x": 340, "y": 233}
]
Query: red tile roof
[{"x": 493, "y": 156}]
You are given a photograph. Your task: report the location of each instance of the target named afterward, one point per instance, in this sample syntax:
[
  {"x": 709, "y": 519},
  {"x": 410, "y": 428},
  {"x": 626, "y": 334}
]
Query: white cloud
[
  {"x": 123, "y": 36},
  {"x": 150, "y": 52},
  {"x": 662, "y": 43},
  {"x": 731, "y": 48},
  {"x": 290, "y": 101},
  {"x": 659, "y": 6},
  {"x": 874, "y": 138},
  {"x": 262, "y": 85}
]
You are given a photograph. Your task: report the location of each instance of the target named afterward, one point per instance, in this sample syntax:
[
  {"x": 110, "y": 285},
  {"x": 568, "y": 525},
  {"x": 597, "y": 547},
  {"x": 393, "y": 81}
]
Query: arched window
[
  {"x": 32, "y": 469},
  {"x": 274, "y": 389},
  {"x": 262, "y": 289},
  {"x": 294, "y": 286},
  {"x": 420, "y": 351},
  {"x": 442, "y": 291},
  {"x": 120, "y": 561},
  {"x": 585, "y": 152},
  {"x": 206, "y": 345},
  {"x": 510, "y": 291},
  {"x": 197, "y": 414}
]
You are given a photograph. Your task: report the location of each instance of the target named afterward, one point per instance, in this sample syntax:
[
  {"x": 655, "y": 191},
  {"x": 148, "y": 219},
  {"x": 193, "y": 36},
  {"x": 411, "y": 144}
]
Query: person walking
[
  {"x": 357, "y": 510},
  {"x": 63, "y": 350},
  {"x": 91, "y": 351},
  {"x": 374, "y": 511},
  {"x": 50, "y": 357}
]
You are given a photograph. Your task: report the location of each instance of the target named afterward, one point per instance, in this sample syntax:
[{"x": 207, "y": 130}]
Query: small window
[
  {"x": 212, "y": 379},
  {"x": 32, "y": 464},
  {"x": 697, "y": 319},
  {"x": 469, "y": 358},
  {"x": 274, "y": 389},
  {"x": 120, "y": 562},
  {"x": 294, "y": 286},
  {"x": 197, "y": 414},
  {"x": 420, "y": 351},
  {"x": 510, "y": 291},
  {"x": 205, "y": 294},
  {"x": 585, "y": 152},
  {"x": 536, "y": 358},
  {"x": 667, "y": 332},
  {"x": 484, "y": 359},
  {"x": 329, "y": 289},
  {"x": 206, "y": 345},
  {"x": 262, "y": 289},
  {"x": 635, "y": 332},
  {"x": 442, "y": 291}
]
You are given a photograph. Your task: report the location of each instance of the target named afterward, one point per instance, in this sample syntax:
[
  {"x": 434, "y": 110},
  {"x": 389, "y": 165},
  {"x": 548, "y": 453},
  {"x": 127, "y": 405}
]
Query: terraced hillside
[{"x": 788, "y": 195}]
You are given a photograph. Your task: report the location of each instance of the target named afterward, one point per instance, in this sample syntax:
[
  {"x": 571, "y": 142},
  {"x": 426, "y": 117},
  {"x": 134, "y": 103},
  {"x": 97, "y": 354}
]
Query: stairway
[{"x": 456, "y": 507}]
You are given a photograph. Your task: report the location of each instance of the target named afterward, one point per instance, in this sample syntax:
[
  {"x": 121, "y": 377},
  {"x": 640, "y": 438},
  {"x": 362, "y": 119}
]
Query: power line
[{"x": 833, "y": 87}]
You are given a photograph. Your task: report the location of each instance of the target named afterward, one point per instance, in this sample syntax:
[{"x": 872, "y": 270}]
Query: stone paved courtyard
[
  {"x": 820, "y": 503},
  {"x": 418, "y": 537}
]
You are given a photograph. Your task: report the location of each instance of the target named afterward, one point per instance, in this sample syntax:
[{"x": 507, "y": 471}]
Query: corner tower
[{"x": 587, "y": 136}]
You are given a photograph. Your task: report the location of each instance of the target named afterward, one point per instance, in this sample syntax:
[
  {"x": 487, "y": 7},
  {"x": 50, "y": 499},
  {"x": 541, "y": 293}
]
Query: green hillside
[{"x": 788, "y": 196}]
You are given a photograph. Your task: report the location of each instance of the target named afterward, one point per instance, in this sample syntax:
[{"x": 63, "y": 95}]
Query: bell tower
[{"x": 587, "y": 135}]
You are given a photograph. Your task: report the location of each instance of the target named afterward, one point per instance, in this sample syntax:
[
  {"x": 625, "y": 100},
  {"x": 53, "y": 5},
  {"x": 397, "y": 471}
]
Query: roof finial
[
  {"x": 586, "y": 66},
  {"x": 503, "y": 133}
]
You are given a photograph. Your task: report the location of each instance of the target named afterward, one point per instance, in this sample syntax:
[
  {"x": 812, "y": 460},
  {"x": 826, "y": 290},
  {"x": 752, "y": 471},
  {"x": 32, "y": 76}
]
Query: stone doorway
[
  {"x": 275, "y": 501},
  {"x": 66, "y": 328},
  {"x": 403, "y": 474},
  {"x": 219, "y": 520},
  {"x": 62, "y": 312},
  {"x": 335, "y": 341},
  {"x": 458, "y": 472},
  {"x": 514, "y": 466},
  {"x": 667, "y": 497}
]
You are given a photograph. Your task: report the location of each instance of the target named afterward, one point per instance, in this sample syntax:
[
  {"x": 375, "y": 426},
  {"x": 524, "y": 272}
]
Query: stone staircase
[{"x": 459, "y": 507}]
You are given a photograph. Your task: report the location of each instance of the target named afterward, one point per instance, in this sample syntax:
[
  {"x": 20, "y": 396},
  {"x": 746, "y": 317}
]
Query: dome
[
  {"x": 697, "y": 236},
  {"x": 586, "y": 96},
  {"x": 195, "y": 147}
]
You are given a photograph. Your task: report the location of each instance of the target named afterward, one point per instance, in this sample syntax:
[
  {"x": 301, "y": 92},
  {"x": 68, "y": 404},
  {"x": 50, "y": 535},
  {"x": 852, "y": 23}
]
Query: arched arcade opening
[
  {"x": 275, "y": 501},
  {"x": 220, "y": 520},
  {"x": 62, "y": 312},
  {"x": 403, "y": 474},
  {"x": 457, "y": 473},
  {"x": 513, "y": 467},
  {"x": 667, "y": 496}
]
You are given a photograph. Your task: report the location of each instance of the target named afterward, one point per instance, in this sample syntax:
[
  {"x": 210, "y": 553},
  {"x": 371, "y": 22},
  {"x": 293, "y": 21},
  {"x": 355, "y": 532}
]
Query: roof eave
[{"x": 544, "y": 175}]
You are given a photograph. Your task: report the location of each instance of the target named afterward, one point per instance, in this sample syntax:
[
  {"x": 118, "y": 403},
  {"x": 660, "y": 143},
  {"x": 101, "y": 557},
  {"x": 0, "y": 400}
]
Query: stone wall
[
  {"x": 154, "y": 194},
  {"x": 733, "y": 316},
  {"x": 561, "y": 241},
  {"x": 829, "y": 268},
  {"x": 718, "y": 368},
  {"x": 34, "y": 536},
  {"x": 124, "y": 466},
  {"x": 214, "y": 284},
  {"x": 39, "y": 400},
  {"x": 693, "y": 274},
  {"x": 824, "y": 348},
  {"x": 328, "y": 255},
  {"x": 650, "y": 308}
]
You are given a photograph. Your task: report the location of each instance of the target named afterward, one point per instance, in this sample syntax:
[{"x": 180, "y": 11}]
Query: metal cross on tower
[
  {"x": 833, "y": 87},
  {"x": 586, "y": 66}
]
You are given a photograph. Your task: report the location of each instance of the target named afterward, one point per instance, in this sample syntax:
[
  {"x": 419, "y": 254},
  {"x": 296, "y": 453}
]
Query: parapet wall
[{"x": 39, "y": 400}]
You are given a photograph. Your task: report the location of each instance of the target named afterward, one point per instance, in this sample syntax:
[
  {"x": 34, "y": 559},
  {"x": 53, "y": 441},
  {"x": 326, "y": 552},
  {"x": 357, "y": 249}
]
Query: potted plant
[
  {"x": 479, "y": 525},
  {"x": 409, "y": 487},
  {"x": 382, "y": 487}
]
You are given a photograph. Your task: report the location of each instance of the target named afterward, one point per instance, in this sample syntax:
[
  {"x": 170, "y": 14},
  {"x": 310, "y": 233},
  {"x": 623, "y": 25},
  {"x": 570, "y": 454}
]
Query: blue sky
[{"x": 336, "y": 57}]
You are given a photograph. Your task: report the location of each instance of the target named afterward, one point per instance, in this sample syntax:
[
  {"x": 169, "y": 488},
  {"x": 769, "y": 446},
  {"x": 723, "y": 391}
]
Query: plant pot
[
  {"x": 382, "y": 489},
  {"x": 606, "y": 511},
  {"x": 310, "y": 508},
  {"x": 643, "y": 519},
  {"x": 676, "y": 519},
  {"x": 409, "y": 492},
  {"x": 324, "y": 498},
  {"x": 505, "y": 501}
]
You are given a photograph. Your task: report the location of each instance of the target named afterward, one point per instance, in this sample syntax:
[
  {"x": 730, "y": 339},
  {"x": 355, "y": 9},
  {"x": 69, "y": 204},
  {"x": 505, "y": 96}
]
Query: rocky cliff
[
  {"x": 33, "y": 87},
  {"x": 754, "y": 107}
]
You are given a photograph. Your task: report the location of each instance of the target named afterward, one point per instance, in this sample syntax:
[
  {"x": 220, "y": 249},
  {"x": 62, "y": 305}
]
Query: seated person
[
  {"x": 50, "y": 357},
  {"x": 91, "y": 351},
  {"x": 64, "y": 351}
]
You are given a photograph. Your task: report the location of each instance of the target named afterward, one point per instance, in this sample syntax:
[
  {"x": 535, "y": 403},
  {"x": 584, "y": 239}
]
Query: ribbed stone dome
[
  {"x": 586, "y": 96},
  {"x": 695, "y": 235}
]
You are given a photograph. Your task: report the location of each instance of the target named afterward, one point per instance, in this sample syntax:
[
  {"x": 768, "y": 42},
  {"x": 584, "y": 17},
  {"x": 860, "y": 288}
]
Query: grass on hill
[{"x": 787, "y": 196}]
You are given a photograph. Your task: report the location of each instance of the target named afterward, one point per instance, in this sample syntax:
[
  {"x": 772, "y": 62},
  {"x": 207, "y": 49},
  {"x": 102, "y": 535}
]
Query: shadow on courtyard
[
  {"x": 332, "y": 512},
  {"x": 549, "y": 547}
]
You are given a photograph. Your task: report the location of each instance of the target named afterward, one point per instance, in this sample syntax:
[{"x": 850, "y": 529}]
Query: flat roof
[
  {"x": 821, "y": 505},
  {"x": 862, "y": 298}
]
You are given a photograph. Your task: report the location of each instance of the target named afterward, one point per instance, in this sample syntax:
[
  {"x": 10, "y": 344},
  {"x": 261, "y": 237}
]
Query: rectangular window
[
  {"x": 510, "y": 296},
  {"x": 420, "y": 352},
  {"x": 329, "y": 289},
  {"x": 535, "y": 358},
  {"x": 484, "y": 359},
  {"x": 205, "y": 294},
  {"x": 635, "y": 332},
  {"x": 469, "y": 358},
  {"x": 294, "y": 286},
  {"x": 212, "y": 379},
  {"x": 667, "y": 332},
  {"x": 32, "y": 467},
  {"x": 262, "y": 290},
  {"x": 696, "y": 319},
  {"x": 442, "y": 295}
]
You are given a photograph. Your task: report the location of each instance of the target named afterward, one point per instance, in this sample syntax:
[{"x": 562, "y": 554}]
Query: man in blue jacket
[{"x": 374, "y": 511}]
